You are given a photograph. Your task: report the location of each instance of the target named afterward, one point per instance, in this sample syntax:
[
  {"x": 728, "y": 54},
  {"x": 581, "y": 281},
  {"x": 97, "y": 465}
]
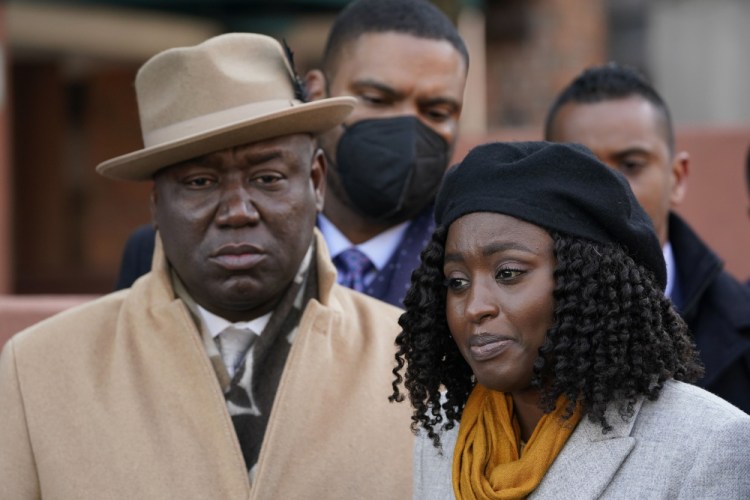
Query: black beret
[{"x": 557, "y": 186}]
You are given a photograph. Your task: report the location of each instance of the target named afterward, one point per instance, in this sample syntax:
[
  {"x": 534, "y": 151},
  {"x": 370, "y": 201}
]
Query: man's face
[
  {"x": 395, "y": 74},
  {"x": 236, "y": 224},
  {"x": 628, "y": 135}
]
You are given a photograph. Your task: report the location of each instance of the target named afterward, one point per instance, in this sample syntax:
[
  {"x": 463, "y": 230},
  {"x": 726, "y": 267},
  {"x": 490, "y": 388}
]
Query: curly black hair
[{"x": 615, "y": 337}]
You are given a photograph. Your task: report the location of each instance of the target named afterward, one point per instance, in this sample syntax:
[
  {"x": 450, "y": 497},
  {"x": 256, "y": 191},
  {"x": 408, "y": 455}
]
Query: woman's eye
[
  {"x": 508, "y": 274},
  {"x": 455, "y": 283}
]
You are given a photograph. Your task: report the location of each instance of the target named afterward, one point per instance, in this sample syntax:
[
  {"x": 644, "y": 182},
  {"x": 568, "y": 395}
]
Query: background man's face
[
  {"x": 236, "y": 224},
  {"x": 394, "y": 74},
  {"x": 628, "y": 135}
]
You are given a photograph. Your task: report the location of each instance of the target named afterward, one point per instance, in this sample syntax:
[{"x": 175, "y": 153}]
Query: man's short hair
[
  {"x": 747, "y": 169},
  {"x": 606, "y": 83},
  {"x": 418, "y": 18}
]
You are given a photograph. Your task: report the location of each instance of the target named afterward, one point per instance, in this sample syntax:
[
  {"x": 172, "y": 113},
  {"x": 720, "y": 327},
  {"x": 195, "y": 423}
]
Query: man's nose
[{"x": 237, "y": 207}]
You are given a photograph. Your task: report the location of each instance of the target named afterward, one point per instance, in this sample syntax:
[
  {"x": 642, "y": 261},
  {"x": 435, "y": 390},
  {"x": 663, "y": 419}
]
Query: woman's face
[{"x": 499, "y": 305}]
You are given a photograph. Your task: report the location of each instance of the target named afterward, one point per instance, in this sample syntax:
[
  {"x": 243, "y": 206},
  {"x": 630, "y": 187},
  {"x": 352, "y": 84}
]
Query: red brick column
[{"x": 6, "y": 179}]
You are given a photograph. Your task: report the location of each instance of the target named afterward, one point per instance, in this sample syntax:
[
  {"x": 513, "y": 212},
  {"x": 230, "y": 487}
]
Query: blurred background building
[{"x": 67, "y": 103}]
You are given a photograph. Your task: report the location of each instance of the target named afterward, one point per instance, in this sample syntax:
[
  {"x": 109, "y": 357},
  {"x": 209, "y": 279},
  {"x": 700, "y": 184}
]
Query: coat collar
[
  {"x": 587, "y": 450},
  {"x": 326, "y": 269}
]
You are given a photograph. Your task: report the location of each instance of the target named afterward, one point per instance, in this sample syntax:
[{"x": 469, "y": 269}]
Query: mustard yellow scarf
[{"x": 486, "y": 461}]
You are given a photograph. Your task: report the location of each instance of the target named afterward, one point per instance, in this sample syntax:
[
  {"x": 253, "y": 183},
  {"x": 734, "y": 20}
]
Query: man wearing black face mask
[
  {"x": 406, "y": 65},
  {"x": 390, "y": 167}
]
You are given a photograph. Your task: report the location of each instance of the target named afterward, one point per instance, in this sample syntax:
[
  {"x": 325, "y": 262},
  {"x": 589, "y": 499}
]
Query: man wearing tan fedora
[
  {"x": 406, "y": 65},
  {"x": 237, "y": 368}
]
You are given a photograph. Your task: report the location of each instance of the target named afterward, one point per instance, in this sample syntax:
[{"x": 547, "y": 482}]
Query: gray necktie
[{"x": 235, "y": 343}]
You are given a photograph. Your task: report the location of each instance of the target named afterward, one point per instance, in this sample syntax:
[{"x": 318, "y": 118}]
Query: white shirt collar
[
  {"x": 378, "y": 249},
  {"x": 669, "y": 260},
  {"x": 217, "y": 324}
]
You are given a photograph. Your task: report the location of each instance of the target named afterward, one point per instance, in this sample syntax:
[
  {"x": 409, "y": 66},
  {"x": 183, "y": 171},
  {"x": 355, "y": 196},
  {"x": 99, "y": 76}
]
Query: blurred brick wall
[
  {"x": 71, "y": 223},
  {"x": 534, "y": 48},
  {"x": 717, "y": 198},
  {"x": 6, "y": 170},
  {"x": 21, "y": 311},
  {"x": 114, "y": 208}
]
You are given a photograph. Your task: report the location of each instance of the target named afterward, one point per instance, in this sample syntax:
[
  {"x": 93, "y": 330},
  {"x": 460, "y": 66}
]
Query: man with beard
[{"x": 405, "y": 63}]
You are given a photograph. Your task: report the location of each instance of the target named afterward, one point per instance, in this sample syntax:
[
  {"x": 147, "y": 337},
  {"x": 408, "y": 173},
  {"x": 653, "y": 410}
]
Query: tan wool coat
[{"x": 117, "y": 399}]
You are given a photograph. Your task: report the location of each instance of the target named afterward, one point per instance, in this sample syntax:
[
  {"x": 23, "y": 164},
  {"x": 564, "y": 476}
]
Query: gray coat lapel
[{"x": 589, "y": 460}]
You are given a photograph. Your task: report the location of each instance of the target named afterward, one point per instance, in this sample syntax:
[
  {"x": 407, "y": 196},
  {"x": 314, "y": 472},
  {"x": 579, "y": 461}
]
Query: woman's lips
[{"x": 486, "y": 346}]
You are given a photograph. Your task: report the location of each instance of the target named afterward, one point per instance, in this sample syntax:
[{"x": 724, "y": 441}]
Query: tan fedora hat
[{"x": 232, "y": 89}]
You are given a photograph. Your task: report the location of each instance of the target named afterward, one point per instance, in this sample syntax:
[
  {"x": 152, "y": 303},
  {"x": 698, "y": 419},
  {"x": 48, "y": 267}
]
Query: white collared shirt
[
  {"x": 217, "y": 324},
  {"x": 378, "y": 249}
]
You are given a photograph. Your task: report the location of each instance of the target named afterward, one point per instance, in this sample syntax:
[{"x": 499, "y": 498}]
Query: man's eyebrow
[
  {"x": 440, "y": 101},
  {"x": 395, "y": 94},
  {"x": 382, "y": 87},
  {"x": 207, "y": 160},
  {"x": 263, "y": 156},
  {"x": 632, "y": 150},
  {"x": 211, "y": 160}
]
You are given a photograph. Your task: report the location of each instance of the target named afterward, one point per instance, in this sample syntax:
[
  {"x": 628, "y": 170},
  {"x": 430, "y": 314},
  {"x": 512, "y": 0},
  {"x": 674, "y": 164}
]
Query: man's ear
[
  {"x": 152, "y": 206},
  {"x": 315, "y": 83},
  {"x": 680, "y": 171},
  {"x": 318, "y": 177}
]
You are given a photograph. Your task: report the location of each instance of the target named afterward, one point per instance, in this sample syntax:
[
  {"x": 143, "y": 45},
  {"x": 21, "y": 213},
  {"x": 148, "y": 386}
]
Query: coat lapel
[{"x": 590, "y": 459}]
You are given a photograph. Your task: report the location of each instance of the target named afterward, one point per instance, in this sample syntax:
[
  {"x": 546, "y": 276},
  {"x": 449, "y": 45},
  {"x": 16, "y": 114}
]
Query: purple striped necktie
[{"x": 353, "y": 265}]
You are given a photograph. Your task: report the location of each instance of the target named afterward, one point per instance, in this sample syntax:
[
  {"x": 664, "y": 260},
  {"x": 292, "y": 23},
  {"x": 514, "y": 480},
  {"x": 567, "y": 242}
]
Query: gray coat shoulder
[{"x": 688, "y": 443}]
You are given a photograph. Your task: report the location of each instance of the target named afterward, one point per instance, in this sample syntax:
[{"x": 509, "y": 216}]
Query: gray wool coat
[{"x": 686, "y": 444}]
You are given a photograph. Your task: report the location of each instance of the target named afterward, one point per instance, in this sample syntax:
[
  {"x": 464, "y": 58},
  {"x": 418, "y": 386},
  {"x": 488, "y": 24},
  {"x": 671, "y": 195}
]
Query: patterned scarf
[
  {"x": 251, "y": 392},
  {"x": 487, "y": 463}
]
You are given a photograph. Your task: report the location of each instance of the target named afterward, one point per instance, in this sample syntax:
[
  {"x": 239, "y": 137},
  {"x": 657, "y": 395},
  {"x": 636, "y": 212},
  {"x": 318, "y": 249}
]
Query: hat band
[{"x": 215, "y": 120}]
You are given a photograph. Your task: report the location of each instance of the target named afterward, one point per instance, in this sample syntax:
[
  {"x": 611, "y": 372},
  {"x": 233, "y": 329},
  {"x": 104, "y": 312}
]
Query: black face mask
[{"x": 391, "y": 168}]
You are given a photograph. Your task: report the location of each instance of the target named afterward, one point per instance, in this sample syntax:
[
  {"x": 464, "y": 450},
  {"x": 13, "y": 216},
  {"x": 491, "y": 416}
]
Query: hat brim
[{"x": 311, "y": 117}]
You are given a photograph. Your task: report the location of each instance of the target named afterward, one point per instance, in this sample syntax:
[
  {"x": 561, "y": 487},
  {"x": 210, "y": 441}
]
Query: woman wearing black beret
[{"x": 539, "y": 352}]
